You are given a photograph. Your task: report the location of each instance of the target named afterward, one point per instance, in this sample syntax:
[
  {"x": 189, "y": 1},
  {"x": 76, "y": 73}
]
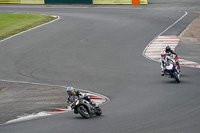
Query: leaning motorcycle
[
  {"x": 171, "y": 71},
  {"x": 176, "y": 59},
  {"x": 85, "y": 109}
]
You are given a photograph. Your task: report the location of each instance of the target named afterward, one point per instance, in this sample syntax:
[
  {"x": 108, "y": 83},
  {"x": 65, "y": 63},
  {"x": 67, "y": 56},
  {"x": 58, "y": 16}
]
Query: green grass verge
[{"x": 11, "y": 24}]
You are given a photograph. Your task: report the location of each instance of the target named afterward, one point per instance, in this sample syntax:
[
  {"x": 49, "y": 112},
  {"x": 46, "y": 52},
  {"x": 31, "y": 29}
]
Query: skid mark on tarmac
[{"x": 159, "y": 44}]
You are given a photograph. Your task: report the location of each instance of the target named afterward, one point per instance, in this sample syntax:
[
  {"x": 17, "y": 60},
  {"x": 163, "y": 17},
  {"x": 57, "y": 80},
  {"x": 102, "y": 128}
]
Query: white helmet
[{"x": 163, "y": 54}]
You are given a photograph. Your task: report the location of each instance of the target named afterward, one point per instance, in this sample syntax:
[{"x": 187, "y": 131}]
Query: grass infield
[{"x": 11, "y": 24}]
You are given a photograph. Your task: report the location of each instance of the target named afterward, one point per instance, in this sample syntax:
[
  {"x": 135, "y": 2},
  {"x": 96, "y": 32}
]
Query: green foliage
[{"x": 11, "y": 24}]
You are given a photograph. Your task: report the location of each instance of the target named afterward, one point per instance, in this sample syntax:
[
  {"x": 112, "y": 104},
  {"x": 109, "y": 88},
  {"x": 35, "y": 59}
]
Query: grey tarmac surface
[
  {"x": 19, "y": 99},
  {"x": 189, "y": 49},
  {"x": 101, "y": 50}
]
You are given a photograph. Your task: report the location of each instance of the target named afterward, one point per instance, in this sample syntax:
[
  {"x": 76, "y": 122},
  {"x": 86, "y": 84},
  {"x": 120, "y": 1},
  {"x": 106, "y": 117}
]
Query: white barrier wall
[{"x": 23, "y": 1}]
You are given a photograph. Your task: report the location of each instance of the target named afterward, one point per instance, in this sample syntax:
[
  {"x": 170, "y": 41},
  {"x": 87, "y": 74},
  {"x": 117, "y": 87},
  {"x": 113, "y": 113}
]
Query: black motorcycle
[{"x": 85, "y": 108}]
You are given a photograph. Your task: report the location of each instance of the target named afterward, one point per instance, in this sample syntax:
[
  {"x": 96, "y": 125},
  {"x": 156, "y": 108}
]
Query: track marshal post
[{"x": 139, "y": 2}]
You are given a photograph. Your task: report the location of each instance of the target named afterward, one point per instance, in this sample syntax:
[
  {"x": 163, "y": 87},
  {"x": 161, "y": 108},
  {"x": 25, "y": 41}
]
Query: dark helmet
[{"x": 167, "y": 49}]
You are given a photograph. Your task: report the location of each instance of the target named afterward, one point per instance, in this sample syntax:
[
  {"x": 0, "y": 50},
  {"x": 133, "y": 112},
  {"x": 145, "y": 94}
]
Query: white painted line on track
[
  {"x": 154, "y": 54},
  {"x": 42, "y": 114},
  {"x": 28, "y": 117},
  {"x": 159, "y": 36},
  {"x": 98, "y": 99},
  {"x": 188, "y": 63},
  {"x": 163, "y": 43},
  {"x": 154, "y": 50},
  {"x": 163, "y": 47},
  {"x": 167, "y": 39},
  {"x": 12, "y": 81},
  {"x": 57, "y": 18},
  {"x": 154, "y": 46},
  {"x": 182, "y": 60}
]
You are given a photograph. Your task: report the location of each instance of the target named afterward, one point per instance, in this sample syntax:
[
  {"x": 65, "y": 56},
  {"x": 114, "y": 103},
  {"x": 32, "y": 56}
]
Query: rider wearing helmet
[
  {"x": 171, "y": 53},
  {"x": 164, "y": 61},
  {"x": 73, "y": 94}
]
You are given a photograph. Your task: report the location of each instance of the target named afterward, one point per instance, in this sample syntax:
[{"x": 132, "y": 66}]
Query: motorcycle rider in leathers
[
  {"x": 171, "y": 53},
  {"x": 164, "y": 61},
  {"x": 73, "y": 94}
]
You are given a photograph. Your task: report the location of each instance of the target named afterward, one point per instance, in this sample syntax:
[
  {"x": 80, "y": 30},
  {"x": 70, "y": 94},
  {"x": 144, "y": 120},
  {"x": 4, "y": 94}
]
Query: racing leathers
[
  {"x": 170, "y": 52},
  {"x": 72, "y": 97},
  {"x": 173, "y": 55},
  {"x": 77, "y": 94},
  {"x": 165, "y": 62}
]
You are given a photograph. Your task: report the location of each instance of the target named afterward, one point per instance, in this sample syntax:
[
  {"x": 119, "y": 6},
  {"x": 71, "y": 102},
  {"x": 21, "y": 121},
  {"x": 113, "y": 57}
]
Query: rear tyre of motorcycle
[
  {"x": 99, "y": 111},
  {"x": 83, "y": 112},
  {"x": 176, "y": 77}
]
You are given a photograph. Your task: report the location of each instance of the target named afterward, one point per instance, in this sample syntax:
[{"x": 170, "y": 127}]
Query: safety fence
[{"x": 74, "y": 1}]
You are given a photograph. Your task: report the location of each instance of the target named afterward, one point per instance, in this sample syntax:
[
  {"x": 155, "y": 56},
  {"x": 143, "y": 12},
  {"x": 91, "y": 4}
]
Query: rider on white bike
[
  {"x": 173, "y": 55},
  {"x": 164, "y": 61}
]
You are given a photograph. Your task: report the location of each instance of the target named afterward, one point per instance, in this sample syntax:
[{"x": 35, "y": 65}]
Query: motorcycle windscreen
[{"x": 170, "y": 67}]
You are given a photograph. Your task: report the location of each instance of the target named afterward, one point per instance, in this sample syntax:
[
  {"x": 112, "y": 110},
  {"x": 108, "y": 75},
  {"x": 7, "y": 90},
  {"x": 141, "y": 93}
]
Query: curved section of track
[
  {"x": 153, "y": 50},
  {"x": 101, "y": 49}
]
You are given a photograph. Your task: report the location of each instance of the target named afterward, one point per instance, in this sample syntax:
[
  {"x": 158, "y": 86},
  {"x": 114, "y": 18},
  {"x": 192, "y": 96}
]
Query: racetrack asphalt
[{"x": 101, "y": 50}]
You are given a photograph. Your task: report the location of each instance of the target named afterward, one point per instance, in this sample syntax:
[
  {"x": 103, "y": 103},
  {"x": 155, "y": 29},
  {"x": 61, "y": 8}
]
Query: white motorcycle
[{"x": 171, "y": 71}]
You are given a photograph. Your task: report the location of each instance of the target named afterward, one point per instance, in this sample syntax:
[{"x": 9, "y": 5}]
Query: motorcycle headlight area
[{"x": 77, "y": 102}]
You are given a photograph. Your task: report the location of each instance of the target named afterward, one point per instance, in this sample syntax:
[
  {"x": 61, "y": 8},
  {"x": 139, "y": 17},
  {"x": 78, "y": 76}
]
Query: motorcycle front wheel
[
  {"x": 83, "y": 112},
  {"x": 176, "y": 77},
  {"x": 98, "y": 111}
]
